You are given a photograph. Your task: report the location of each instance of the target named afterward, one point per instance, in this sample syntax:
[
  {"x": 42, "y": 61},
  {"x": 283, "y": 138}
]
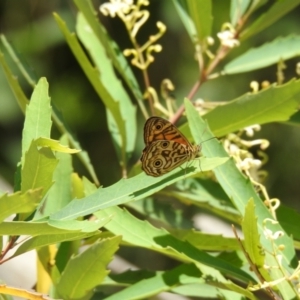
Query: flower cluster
[
  {"x": 238, "y": 148},
  {"x": 228, "y": 36},
  {"x": 134, "y": 17}
]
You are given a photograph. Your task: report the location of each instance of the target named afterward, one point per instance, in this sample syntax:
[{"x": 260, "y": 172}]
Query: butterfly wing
[
  {"x": 159, "y": 129},
  {"x": 163, "y": 156}
]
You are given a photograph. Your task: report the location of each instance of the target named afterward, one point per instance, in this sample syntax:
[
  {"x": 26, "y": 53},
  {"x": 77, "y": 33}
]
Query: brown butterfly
[{"x": 166, "y": 147}]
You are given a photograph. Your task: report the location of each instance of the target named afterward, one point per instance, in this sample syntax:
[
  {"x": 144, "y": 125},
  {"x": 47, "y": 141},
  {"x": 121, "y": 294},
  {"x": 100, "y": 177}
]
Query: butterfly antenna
[
  {"x": 209, "y": 139},
  {"x": 205, "y": 129},
  {"x": 201, "y": 147}
]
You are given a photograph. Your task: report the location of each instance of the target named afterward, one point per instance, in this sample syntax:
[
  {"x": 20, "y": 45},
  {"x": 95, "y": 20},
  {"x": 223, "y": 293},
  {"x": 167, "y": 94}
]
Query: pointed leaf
[
  {"x": 276, "y": 103},
  {"x": 288, "y": 218},
  {"x": 277, "y": 11},
  {"x": 205, "y": 194},
  {"x": 265, "y": 55},
  {"x": 159, "y": 240},
  {"x": 237, "y": 10},
  {"x": 114, "y": 52},
  {"x": 92, "y": 75},
  {"x": 87, "y": 270},
  {"x": 38, "y": 168},
  {"x": 160, "y": 211},
  {"x": 204, "y": 241},
  {"x": 46, "y": 240},
  {"x": 201, "y": 14},
  {"x": 54, "y": 145},
  {"x": 238, "y": 188},
  {"x": 19, "y": 203},
  {"x": 182, "y": 10},
  {"x": 112, "y": 84},
  {"x": 14, "y": 84},
  {"x": 38, "y": 116},
  {"x": 251, "y": 236},
  {"x": 134, "y": 188},
  {"x": 82, "y": 155},
  {"x": 60, "y": 193},
  {"x": 160, "y": 282},
  {"x": 53, "y": 227}
]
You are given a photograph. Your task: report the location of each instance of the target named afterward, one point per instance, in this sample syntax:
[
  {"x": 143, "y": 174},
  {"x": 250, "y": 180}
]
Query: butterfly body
[{"x": 166, "y": 147}]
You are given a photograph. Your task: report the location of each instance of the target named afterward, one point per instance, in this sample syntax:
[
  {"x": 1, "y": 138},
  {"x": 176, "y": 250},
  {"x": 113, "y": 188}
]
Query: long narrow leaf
[
  {"x": 111, "y": 47},
  {"x": 201, "y": 14},
  {"x": 240, "y": 190},
  {"x": 19, "y": 203},
  {"x": 277, "y": 103},
  {"x": 265, "y": 55},
  {"x": 134, "y": 188},
  {"x": 277, "y": 11},
  {"x": 14, "y": 84},
  {"x": 87, "y": 270},
  {"x": 147, "y": 236},
  {"x": 92, "y": 75},
  {"x": 113, "y": 85},
  {"x": 38, "y": 116}
]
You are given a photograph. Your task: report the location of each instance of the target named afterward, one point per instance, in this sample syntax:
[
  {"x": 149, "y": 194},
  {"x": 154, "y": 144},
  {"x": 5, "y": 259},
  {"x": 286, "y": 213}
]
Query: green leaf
[
  {"x": 113, "y": 51},
  {"x": 214, "y": 206},
  {"x": 54, "y": 145},
  {"x": 234, "y": 257},
  {"x": 77, "y": 187},
  {"x": 46, "y": 240},
  {"x": 92, "y": 74},
  {"x": 134, "y": 188},
  {"x": 197, "y": 128},
  {"x": 87, "y": 270},
  {"x": 158, "y": 283},
  {"x": 196, "y": 16},
  {"x": 60, "y": 194},
  {"x": 251, "y": 236},
  {"x": 277, "y": 11},
  {"x": 88, "y": 186},
  {"x": 288, "y": 218},
  {"x": 160, "y": 211},
  {"x": 38, "y": 168},
  {"x": 82, "y": 155},
  {"x": 19, "y": 203},
  {"x": 265, "y": 55},
  {"x": 277, "y": 103},
  {"x": 38, "y": 116},
  {"x": 237, "y": 10},
  {"x": 205, "y": 194},
  {"x": 204, "y": 241},
  {"x": 52, "y": 227},
  {"x": 127, "y": 277},
  {"x": 294, "y": 119},
  {"x": 201, "y": 14},
  {"x": 211, "y": 292},
  {"x": 113, "y": 85},
  {"x": 52, "y": 232},
  {"x": 240, "y": 190},
  {"x": 159, "y": 240},
  {"x": 64, "y": 252},
  {"x": 185, "y": 280},
  {"x": 46, "y": 255},
  {"x": 84, "y": 226},
  {"x": 57, "y": 118},
  {"x": 14, "y": 84},
  {"x": 182, "y": 10}
]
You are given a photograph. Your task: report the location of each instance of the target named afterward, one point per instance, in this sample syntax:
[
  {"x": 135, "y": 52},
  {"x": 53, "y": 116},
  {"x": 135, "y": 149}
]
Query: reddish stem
[{"x": 7, "y": 248}]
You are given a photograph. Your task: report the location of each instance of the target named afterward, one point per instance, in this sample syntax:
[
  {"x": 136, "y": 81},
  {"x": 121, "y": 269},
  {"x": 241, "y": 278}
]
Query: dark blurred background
[{"x": 30, "y": 27}]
